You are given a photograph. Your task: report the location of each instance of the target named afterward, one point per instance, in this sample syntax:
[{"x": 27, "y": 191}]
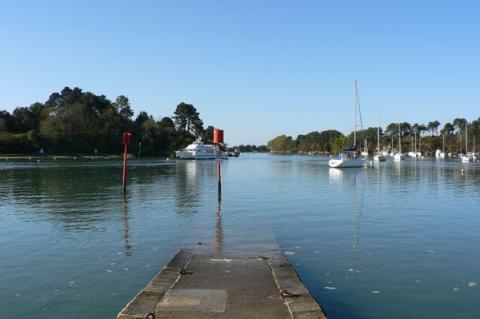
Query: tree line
[
  {"x": 250, "y": 148},
  {"x": 76, "y": 122},
  {"x": 329, "y": 141},
  {"x": 459, "y": 135}
]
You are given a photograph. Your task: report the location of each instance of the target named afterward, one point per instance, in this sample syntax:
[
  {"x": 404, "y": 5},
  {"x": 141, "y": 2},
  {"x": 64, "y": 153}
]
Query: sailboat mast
[
  {"x": 355, "y": 114},
  {"x": 399, "y": 139},
  {"x": 378, "y": 139},
  {"x": 415, "y": 142},
  {"x": 443, "y": 144},
  {"x": 466, "y": 138},
  {"x": 473, "y": 144}
]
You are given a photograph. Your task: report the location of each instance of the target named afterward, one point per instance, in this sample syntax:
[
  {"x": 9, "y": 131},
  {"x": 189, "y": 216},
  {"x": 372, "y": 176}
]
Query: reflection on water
[
  {"x": 218, "y": 241},
  {"x": 348, "y": 178},
  {"x": 391, "y": 241},
  {"x": 126, "y": 236}
]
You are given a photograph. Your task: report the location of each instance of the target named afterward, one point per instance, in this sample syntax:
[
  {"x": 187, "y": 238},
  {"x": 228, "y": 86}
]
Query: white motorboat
[
  {"x": 349, "y": 158},
  {"x": 198, "y": 150}
]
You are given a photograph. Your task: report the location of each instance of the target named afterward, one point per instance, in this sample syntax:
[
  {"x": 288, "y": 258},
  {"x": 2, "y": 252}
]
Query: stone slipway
[{"x": 201, "y": 285}]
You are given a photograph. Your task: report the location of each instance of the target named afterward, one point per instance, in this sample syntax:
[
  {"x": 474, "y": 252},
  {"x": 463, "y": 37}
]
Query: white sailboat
[
  {"x": 414, "y": 152},
  {"x": 474, "y": 153},
  {"x": 467, "y": 157},
  {"x": 399, "y": 156},
  {"x": 349, "y": 158},
  {"x": 438, "y": 153},
  {"x": 365, "y": 149},
  {"x": 379, "y": 157},
  {"x": 392, "y": 153}
]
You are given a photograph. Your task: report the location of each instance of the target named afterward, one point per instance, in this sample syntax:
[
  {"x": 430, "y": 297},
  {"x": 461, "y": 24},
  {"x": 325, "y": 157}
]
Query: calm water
[{"x": 397, "y": 241}]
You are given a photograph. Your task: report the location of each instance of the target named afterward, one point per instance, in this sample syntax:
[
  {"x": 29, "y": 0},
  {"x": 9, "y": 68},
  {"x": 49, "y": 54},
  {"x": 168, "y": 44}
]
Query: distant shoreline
[{"x": 55, "y": 157}]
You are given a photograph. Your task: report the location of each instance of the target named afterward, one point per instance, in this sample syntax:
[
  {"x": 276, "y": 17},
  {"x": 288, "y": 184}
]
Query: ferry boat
[{"x": 198, "y": 150}]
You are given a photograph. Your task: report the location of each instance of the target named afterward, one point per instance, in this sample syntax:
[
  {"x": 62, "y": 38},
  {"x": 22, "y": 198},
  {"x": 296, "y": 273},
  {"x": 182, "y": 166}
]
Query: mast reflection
[{"x": 348, "y": 178}]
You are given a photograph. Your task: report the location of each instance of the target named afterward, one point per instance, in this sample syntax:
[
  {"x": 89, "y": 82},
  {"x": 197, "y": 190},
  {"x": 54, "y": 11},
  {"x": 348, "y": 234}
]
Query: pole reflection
[
  {"x": 219, "y": 236},
  {"x": 126, "y": 235}
]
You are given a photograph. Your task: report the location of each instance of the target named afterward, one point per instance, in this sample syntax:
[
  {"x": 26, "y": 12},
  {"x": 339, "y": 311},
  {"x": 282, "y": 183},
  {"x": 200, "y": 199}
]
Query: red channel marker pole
[
  {"x": 217, "y": 140},
  {"x": 219, "y": 172},
  {"x": 126, "y": 140}
]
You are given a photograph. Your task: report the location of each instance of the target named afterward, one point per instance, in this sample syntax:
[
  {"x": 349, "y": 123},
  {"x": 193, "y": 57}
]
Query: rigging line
[{"x": 357, "y": 101}]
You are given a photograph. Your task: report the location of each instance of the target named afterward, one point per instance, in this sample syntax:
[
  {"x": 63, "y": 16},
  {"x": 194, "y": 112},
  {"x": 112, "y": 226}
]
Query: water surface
[{"x": 394, "y": 241}]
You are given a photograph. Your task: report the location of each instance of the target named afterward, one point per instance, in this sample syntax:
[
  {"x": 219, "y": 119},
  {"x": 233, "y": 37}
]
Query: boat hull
[
  {"x": 346, "y": 163},
  {"x": 466, "y": 159},
  {"x": 184, "y": 155}
]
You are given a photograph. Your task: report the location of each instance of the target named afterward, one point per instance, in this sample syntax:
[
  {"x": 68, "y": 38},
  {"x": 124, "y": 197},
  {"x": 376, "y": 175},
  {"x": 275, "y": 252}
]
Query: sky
[{"x": 256, "y": 69}]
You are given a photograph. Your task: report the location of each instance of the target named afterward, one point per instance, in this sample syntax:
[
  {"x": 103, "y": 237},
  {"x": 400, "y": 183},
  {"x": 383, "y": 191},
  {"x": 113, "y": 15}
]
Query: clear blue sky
[{"x": 255, "y": 68}]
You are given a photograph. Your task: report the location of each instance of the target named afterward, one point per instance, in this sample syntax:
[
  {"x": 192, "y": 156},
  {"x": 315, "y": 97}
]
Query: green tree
[
  {"x": 208, "y": 136},
  {"x": 282, "y": 143},
  {"x": 188, "y": 119},
  {"x": 448, "y": 129}
]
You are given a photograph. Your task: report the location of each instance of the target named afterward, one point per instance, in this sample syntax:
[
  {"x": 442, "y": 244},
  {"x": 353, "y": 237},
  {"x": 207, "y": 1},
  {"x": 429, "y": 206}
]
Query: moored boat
[
  {"x": 349, "y": 158},
  {"x": 379, "y": 157},
  {"x": 399, "y": 156},
  {"x": 198, "y": 150}
]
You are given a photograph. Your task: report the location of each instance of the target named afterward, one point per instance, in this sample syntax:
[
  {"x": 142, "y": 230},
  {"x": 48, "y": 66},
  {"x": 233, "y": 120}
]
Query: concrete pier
[{"x": 200, "y": 285}]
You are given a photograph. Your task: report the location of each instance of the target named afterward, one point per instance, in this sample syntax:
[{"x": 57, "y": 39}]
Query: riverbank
[{"x": 14, "y": 157}]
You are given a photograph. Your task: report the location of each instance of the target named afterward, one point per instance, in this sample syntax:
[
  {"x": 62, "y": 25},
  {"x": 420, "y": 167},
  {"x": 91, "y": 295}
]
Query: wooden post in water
[{"x": 126, "y": 140}]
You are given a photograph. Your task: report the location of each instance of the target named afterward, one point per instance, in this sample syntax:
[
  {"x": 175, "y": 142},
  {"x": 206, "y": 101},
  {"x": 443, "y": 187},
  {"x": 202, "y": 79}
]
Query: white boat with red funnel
[{"x": 198, "y": 151}]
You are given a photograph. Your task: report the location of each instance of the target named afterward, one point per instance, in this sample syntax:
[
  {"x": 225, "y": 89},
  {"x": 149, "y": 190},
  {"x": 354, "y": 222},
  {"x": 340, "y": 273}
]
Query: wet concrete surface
[{"x": 199, "y": 285}]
